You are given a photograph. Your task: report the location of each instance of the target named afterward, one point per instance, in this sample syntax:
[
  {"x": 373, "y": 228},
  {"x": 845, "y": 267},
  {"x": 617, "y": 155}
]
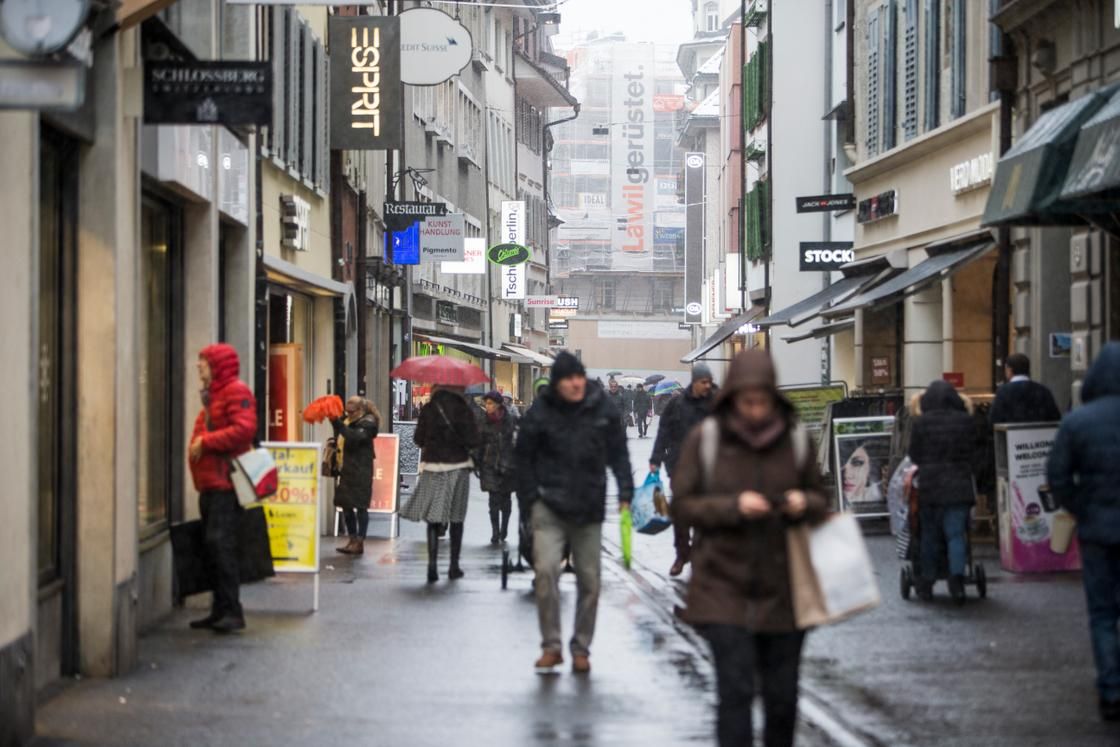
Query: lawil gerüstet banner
[
  {"x": 694, "y": 238},
  {"x": 367, "y": 96},
  {"x": 633, "y": 180}
]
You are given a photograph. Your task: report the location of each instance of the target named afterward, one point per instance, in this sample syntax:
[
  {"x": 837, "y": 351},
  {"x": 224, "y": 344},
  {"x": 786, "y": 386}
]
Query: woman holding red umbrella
[{"x": 446, "y": 433}]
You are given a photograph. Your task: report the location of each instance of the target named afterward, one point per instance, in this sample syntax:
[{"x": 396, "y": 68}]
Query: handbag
[
  {"x": 330, "y": 466},
  {"x": 254, "y": 476},
  {"x": 188, "y": 547}
]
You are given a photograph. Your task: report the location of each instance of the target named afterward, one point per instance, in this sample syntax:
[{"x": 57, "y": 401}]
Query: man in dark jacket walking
[
  {"x": 1021, "y": 400},
  {"x": 680, "y": 416},
  {"x": 568, "y": 439},
  {"x": 943, "y": 448},
  {"x": 642, "y": 406},
  {"x": 617, "y": 395},
  {"x": 1084, "y": 473},
  {"x": 224, "y": 429}
]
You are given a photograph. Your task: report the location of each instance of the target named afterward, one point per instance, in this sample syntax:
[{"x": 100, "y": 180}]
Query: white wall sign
[
  {"x": 973, "y": 173},
  {"x": 517, "y": 325},
  {"x": 733, "y": 298},
  {"x": 442, "y": 238},
  {"x": 512, "y": 231},
  {"x": 513, "y": 282},
  {"x": 474, "y": 259},
  {"x": 434, "y": 46},
  {"x": 628, "y": 330},
  {"x": 295, "y": 220}
]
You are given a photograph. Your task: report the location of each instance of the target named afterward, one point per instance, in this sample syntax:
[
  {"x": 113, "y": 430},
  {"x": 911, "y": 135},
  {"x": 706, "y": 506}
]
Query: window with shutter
[
  {"x": 307, "y": 104},
  {"x": 872, "y": 118},
  {"x": 277, "y": 28},
  {"x": 995, "y": 47},
  {"x": 292, "y": 135},
  {"x": 322, "y": 130},
  {"x": 959, "y": 102},
  {"x": 889, "y": 17},
  {"x": 932, "y": 77},
  {"x": 910, "y": 72}
]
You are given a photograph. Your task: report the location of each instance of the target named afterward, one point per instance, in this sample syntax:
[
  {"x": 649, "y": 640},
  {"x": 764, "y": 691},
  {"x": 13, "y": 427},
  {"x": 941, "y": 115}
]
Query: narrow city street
[{"x": 388, "y": 660}]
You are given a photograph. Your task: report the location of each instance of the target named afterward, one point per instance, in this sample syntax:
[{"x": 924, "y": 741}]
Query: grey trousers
[{"x": 550, "y": 534}]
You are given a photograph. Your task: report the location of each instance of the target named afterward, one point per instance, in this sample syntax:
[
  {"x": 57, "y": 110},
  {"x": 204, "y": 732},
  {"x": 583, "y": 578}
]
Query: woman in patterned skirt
[{"x": 446, "y": 433}]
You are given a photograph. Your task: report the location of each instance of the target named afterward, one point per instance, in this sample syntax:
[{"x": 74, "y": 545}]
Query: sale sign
[
  {"x": 386, "y": 473},
  {"x": 292, "y": 514},
  {"x": 285, "y": 383}
]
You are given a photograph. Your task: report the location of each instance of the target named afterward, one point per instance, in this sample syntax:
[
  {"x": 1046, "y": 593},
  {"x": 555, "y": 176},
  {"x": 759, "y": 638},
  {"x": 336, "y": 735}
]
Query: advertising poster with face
[{"x": 863, "y": 450}]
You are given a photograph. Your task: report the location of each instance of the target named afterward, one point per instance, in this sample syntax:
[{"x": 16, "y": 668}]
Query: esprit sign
[
  {"x": 971, "y": 174},
  {"x": 434, "y": 47},
  {"x": 824, "y": 256},
  {"x": 366, "y": 90}
]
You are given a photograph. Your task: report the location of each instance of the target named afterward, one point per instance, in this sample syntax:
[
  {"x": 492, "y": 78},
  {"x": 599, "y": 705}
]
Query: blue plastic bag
[{"x": 644, "y": 508}]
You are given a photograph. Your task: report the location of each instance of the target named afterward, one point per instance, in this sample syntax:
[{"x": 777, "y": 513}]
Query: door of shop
[{"x": 55, "y": 634}]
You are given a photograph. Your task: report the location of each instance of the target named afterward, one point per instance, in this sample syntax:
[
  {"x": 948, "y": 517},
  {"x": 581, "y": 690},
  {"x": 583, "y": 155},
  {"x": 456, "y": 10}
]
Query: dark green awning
[
  {"x": 1027, "y": 186},
  {"x": 1094, "y": 173}
]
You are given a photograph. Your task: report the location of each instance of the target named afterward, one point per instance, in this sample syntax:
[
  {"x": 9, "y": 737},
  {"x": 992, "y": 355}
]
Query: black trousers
[
  {"x": 739, "y": 655},
  {"x": 357, "y": 522},
  {"x": 220, "y": 515}
]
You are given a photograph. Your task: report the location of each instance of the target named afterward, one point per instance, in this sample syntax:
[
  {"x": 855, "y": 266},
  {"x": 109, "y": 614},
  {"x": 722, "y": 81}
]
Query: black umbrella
[
  {"x": 614, "y": 373},
  {"x": 654, "y": 379}
]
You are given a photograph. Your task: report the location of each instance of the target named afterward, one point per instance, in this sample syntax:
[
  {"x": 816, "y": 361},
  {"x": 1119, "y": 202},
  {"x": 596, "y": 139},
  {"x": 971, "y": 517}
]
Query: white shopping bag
[{"x": 830, "y": 571}]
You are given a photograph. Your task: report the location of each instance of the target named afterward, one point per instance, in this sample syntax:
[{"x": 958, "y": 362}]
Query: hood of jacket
[
  {"x": 940, "y": 395},
  {"x": 751, "y": 368},
  {"x": 1103, "y": 379},
  {"x": 225, "y": 366},
  {"x": 593, "y": 396}
]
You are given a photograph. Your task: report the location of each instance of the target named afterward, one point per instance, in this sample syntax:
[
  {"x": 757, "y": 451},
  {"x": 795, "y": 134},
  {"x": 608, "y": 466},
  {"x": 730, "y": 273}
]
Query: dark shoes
[
  {"x": 956, "y": 589},
  {"x": 925, "y": 590},
  {"x": 678, "y": 566},
  {"x": 228, "y": 624},
  {"x": 205, "y": 623},
  {"x": 354, "y": 547},
  {"x": 1110, "y": 710},
  {"x": 433, "y": 575},
  {"x": 455, "y": 573},
  {"x": 581, "y": 665}
]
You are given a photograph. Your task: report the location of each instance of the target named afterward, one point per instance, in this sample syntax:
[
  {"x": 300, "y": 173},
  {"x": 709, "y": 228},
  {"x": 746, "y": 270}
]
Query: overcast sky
[{"x": 641, "y": 20}]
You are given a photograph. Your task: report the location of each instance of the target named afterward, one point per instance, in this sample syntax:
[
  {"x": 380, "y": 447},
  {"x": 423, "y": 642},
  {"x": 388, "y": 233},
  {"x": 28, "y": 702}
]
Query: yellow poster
[{"x": 293, "y": 524}]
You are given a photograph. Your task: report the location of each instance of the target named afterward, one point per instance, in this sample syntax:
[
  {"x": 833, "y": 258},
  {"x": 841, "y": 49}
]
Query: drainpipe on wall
[
  {"x": 1006, "y": 66},
  {"x": 826, "y": 218},
  {"x": 744, "y": 301}
]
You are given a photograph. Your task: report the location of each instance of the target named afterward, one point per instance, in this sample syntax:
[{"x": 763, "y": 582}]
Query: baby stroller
[{"x": 911, "y": 570}]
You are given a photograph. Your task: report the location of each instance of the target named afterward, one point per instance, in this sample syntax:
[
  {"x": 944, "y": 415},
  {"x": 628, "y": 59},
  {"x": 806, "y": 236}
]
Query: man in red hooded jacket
[{"x": 224, "y": 429}]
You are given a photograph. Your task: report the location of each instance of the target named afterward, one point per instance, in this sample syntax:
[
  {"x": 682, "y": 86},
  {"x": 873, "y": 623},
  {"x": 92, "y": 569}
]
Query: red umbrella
[{"x": 438, "y": 369}]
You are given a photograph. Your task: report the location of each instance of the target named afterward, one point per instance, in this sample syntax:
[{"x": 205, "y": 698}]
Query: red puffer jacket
[{"x": 227, "y": 424}]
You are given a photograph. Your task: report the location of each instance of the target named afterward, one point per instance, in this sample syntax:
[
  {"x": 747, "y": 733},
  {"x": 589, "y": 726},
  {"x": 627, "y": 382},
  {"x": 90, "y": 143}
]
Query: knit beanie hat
[
  {"x": 566, "y": 365},
  {"x": 701, "y": 371},
  {"x": 495, "y": 395}
]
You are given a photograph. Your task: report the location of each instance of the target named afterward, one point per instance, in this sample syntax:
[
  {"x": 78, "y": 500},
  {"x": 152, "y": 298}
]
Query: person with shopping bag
[{"x": 758, "y": 480}]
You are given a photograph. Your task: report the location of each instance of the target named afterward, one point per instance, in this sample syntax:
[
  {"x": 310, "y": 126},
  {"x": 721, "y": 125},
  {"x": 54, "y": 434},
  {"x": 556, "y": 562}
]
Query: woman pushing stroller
[{"x": 943, "y": 446}]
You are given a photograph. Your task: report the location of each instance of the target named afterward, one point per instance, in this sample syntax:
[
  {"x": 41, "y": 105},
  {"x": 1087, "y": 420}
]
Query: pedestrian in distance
[
  {"x": 617, "y": 396},
  {"x": 679, "y": 417},
  {"x": 495, "y": 463},
  {"x": 354, "y": 491},
  {"x": 225, "y": 428},
  {"x": 643, "y": 404},
  {"x": 944, "y": 449},
  {"x": 1084, "y": 474},
  {"x": 447, "y": 434},
  {"x": 568, "y": 439},
  {"x": 1021, "y": 400},
  {"x": 742, "y": 489}
]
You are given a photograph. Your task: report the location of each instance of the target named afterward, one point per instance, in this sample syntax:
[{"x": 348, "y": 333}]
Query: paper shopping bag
[{"x": 831, "y": 574}]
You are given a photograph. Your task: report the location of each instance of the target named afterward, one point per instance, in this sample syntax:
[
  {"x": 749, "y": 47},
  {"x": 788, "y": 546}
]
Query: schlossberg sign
[{"x": 366, "y": 90}]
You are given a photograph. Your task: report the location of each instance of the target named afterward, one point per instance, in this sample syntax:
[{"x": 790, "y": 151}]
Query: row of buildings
[
  {"x": 130, "y": 245},
  {"x": 963, "y": 150}
]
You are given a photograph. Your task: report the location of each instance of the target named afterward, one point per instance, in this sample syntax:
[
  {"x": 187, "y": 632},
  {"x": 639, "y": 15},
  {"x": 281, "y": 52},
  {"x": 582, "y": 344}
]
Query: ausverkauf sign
[
  {"x": 441, "y": 238},
  {"x": 208, "y": 92},
  {"x": 434, "y": 47},
  {"x": 824, "y": 256},
  {"x": 366, "y": 90}
]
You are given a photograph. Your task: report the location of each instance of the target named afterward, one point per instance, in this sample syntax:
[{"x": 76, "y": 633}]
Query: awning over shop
[
  {"x": 538, "y": 359},
  {"x": 475, "y": 348},
  {"x": 1093, "y": 182},
  {"x": 944, "y": 260},
  {"x": 725, "y": 331},
  {"x": 1028, "y": 183},
  {"x": 824, "y": 330},
  {"x": 806, "y": 309},
  {"x": 285, "y": 273}
]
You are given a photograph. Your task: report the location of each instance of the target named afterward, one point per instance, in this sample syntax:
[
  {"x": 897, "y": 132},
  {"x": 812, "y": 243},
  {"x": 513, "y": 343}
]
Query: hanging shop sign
[
  {"x": 404, "y": 245},
  {"x": 41, "y": 27},
  {"x": 508, "y": 254},
  {"x": 441, "y": 238},
  {"x": 293, "y": 513},
  {"x": 882, "y": 205},
  {"x": 474, "y": 259},
  {"x": 366, "y": 92},
  {"x": 694, "y": 238},
  {"x": 401, "y": 215},
  {"x": 208, "y": 92},
  {"x": 824, "y": 256},
  {"x": 512, "y": 231},
  {"x": 434, "y": 47},
  {"x": 41, "y": 85},
  {"x": 554, "y": 323},
  {"x": 825, "y": 203},
  {"x": 540, "y": 302},
  {"x": 516, "y": 326},
  {"x": 447, "y": 313},
  {"x": 513, "y": 282}
]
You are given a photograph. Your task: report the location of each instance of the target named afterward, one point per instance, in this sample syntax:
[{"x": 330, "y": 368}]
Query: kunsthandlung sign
[{"x": 366, "y": 90}]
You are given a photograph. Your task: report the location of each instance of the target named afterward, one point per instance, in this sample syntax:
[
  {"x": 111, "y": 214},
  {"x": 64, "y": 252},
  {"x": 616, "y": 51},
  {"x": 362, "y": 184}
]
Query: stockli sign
[
  {"x": 508, "y": 254},
  {"x": 824, "y": 256},
  {"x": 366, "y": 90},
  {"x": 207, "y": 92}
]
